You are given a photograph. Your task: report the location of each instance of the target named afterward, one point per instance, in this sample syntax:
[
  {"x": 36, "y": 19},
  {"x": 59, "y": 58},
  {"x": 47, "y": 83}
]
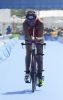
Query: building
[{"x": 5, "y": 15}]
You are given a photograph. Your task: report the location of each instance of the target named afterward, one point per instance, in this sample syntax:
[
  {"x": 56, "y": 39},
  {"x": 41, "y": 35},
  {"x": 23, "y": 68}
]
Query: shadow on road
[{"x": 19, "y": 92}]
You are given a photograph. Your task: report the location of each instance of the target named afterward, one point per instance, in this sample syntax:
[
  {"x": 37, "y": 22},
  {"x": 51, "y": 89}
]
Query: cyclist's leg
[
  {"x": 28, "y": 58},
  {"x": 28, "y": 53},
  {"x": 40, "y": 63},
  {"x": 40, "y": 60},
  {"x": 27, "y": 63}
]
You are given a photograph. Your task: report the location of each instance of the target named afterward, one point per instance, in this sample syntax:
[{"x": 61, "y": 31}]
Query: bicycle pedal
[
  {"x": 27, "y": 82},
  {"x": 27, "y": 79},
  {"x": 43, "y": 70},
  {"x": 39, "y": 85}
]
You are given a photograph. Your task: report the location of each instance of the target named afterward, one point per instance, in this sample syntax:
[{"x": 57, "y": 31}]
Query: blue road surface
[{"x": 12, "y": 85}]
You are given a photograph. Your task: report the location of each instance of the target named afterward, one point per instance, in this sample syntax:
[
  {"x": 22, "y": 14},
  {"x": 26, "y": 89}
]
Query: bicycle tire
[
  {"x": 33, "y": 73},
  {"x": 33, "y": 85}
]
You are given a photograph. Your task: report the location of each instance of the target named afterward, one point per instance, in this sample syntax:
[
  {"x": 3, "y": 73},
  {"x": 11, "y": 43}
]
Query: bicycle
[{"x": 33, "y": 67}]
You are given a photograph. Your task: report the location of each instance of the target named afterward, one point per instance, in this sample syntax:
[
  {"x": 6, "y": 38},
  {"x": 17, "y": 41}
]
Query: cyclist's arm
[
  {"x": 41, "y": 29},
  {"x": 25, "y": 31},
  {"x": 40, "y": 35}
]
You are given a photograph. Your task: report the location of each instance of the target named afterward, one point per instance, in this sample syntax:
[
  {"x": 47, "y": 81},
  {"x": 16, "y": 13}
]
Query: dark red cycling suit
[{"x": 29, "y": 30}]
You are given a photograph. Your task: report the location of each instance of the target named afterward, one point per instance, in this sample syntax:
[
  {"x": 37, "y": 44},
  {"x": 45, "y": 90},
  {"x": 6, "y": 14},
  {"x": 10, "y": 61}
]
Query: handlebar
[{"x": 30, "y": 43}]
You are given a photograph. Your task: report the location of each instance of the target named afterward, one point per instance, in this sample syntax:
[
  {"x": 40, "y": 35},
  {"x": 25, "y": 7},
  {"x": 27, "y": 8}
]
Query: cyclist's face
[{"x": 31, "y": 22}]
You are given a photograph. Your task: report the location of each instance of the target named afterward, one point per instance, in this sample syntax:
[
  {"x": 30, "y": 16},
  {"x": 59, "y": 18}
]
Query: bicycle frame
[{"x": 33, "y": 63}]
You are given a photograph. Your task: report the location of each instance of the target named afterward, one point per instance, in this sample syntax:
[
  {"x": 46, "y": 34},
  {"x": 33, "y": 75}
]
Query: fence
[{"x": 5, "y": 49}]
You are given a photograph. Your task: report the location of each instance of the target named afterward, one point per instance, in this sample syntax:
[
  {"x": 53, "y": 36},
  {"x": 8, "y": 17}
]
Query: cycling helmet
[{"x": 31, "y": 15}]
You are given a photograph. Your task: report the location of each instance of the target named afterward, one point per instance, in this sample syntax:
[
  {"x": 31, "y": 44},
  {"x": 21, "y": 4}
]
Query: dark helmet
[{"x": 31, "y": 15}]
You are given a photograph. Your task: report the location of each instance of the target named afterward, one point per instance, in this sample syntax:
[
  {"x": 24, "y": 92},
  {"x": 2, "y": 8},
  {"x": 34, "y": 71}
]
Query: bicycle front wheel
[
  {"x": 33, "y": 74},
  {"x": 33, "y": 83}
]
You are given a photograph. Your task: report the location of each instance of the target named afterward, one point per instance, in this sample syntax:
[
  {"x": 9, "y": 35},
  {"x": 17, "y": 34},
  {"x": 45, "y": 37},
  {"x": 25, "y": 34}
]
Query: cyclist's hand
[
  {"x": 39, "y": 39},
  {"x": 33, "y": 38}
]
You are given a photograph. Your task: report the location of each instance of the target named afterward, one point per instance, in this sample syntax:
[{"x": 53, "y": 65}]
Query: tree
[{"x": 18, "y": 12}]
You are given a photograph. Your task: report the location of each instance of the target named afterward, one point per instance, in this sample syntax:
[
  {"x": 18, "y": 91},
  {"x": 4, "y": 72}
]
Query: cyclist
[{"x": 32, "y": 22}]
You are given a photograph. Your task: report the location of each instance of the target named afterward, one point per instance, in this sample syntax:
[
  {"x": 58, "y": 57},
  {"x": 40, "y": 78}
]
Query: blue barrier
[
  {"x": 5, "y": 49},
  {"x": 51, "y": 38},
  {"x": 60, "y": 39}
]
